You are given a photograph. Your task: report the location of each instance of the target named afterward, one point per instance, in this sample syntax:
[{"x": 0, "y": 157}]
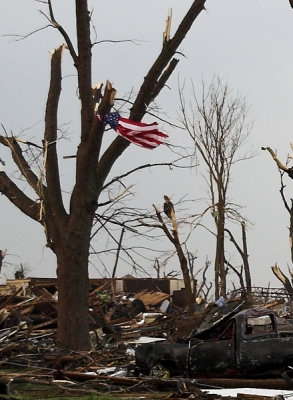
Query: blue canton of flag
[{"x": 112, "y": 119}]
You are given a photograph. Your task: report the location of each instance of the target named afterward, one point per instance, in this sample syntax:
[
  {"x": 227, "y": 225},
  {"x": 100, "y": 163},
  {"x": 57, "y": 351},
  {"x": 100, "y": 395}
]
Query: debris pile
[{"x": 118, "y": 322}]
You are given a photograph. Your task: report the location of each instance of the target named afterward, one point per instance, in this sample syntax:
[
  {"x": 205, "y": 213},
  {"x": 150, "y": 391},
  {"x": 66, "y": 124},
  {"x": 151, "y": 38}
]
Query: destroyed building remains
[{"x": 123, "y": 314}]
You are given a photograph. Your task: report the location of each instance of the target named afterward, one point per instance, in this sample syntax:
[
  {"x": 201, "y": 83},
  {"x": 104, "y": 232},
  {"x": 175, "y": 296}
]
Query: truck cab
[{"x": 240, "y": 344}]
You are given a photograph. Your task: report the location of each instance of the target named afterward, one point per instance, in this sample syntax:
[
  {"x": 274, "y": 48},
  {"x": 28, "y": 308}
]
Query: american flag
[{"x": 139, "y": 133}]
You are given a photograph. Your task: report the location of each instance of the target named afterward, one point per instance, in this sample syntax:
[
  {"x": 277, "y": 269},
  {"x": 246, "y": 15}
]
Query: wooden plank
[
  {"x": 277, "y": 383},
  {"x": 248, "y": 396},
  {"x": 10, "y": 298},
  {"x": 79, "y": 376}
]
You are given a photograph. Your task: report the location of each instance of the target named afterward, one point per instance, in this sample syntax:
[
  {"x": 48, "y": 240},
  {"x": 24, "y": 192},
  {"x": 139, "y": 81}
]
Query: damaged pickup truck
[{"x": 253, "y": 341}]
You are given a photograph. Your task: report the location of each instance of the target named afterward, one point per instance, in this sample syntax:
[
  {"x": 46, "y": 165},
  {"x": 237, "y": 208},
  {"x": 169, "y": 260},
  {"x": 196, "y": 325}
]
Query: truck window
[
  {"x": 255, "y": 325},
  {"x": 224, "y": 331},
  {"x": 228, "y": 332}
]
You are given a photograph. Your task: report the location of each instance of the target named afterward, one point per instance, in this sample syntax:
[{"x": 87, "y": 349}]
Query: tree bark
[
  {"x": 245, "y": 259},
  {"x": 185, "y": 272},
  {"x": 73, "y": 289},
  {"x": 291, "y": 230},
  {"x": 220, "y": 271}
]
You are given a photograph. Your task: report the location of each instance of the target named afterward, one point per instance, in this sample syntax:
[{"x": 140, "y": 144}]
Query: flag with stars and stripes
[{"x": 139, "y": 133}]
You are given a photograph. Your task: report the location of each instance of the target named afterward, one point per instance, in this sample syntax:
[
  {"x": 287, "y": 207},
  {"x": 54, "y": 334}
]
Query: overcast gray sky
[{"x": 248, "y": 43}]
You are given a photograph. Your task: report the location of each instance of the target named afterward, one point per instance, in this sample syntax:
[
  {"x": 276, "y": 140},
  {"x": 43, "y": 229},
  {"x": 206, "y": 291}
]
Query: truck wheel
[{"x": 159, "y": 371}]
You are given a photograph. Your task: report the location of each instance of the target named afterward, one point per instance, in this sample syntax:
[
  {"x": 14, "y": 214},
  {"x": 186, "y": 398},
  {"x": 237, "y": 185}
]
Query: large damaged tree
[{"x": 68, "y": 232}]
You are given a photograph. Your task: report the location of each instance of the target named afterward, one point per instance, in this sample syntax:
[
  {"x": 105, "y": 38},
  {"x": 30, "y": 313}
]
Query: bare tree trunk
[
  {"x": 191, "y": 261},
  {"x": 244, "y": 256},
  {"x": 174, "y": 238},
  {"x": 73, "y": 307},
  {"x": 204, "y": 289},
  {"x": 245, "y": 259},
  {"x": 220, "y": 271},
  {"x": 183, "y": 264},
  {"x": 283, "y": 278},
  {"x": 118, "y": 252},
  {"x": 185, "y": 273},
  {"x": 1, "y": 259},
  {"x": 239, "y": 274},
  {"x": 217, "y": 271},
  {"x": 291, "y": 230}
]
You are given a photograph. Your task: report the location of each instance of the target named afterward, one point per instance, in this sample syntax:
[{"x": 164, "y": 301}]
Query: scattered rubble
[{"x": 118, "y": 322}]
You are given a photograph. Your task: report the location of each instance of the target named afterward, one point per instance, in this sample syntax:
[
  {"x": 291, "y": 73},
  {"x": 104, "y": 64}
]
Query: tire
[{"x": 160, "y": 371}]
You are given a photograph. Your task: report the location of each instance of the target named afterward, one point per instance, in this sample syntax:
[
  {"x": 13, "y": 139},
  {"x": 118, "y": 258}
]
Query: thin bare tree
[{"x": 217, "y": 124}]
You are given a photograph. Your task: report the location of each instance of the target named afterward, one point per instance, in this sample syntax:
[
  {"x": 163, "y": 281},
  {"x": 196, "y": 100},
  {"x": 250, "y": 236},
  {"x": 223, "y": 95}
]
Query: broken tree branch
[
  {"x": 283, "y": 278},
  {"x": 18, "y": 198},
  {"x": 50, "y": 138},
  {"x": 280, "y": 165}
]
